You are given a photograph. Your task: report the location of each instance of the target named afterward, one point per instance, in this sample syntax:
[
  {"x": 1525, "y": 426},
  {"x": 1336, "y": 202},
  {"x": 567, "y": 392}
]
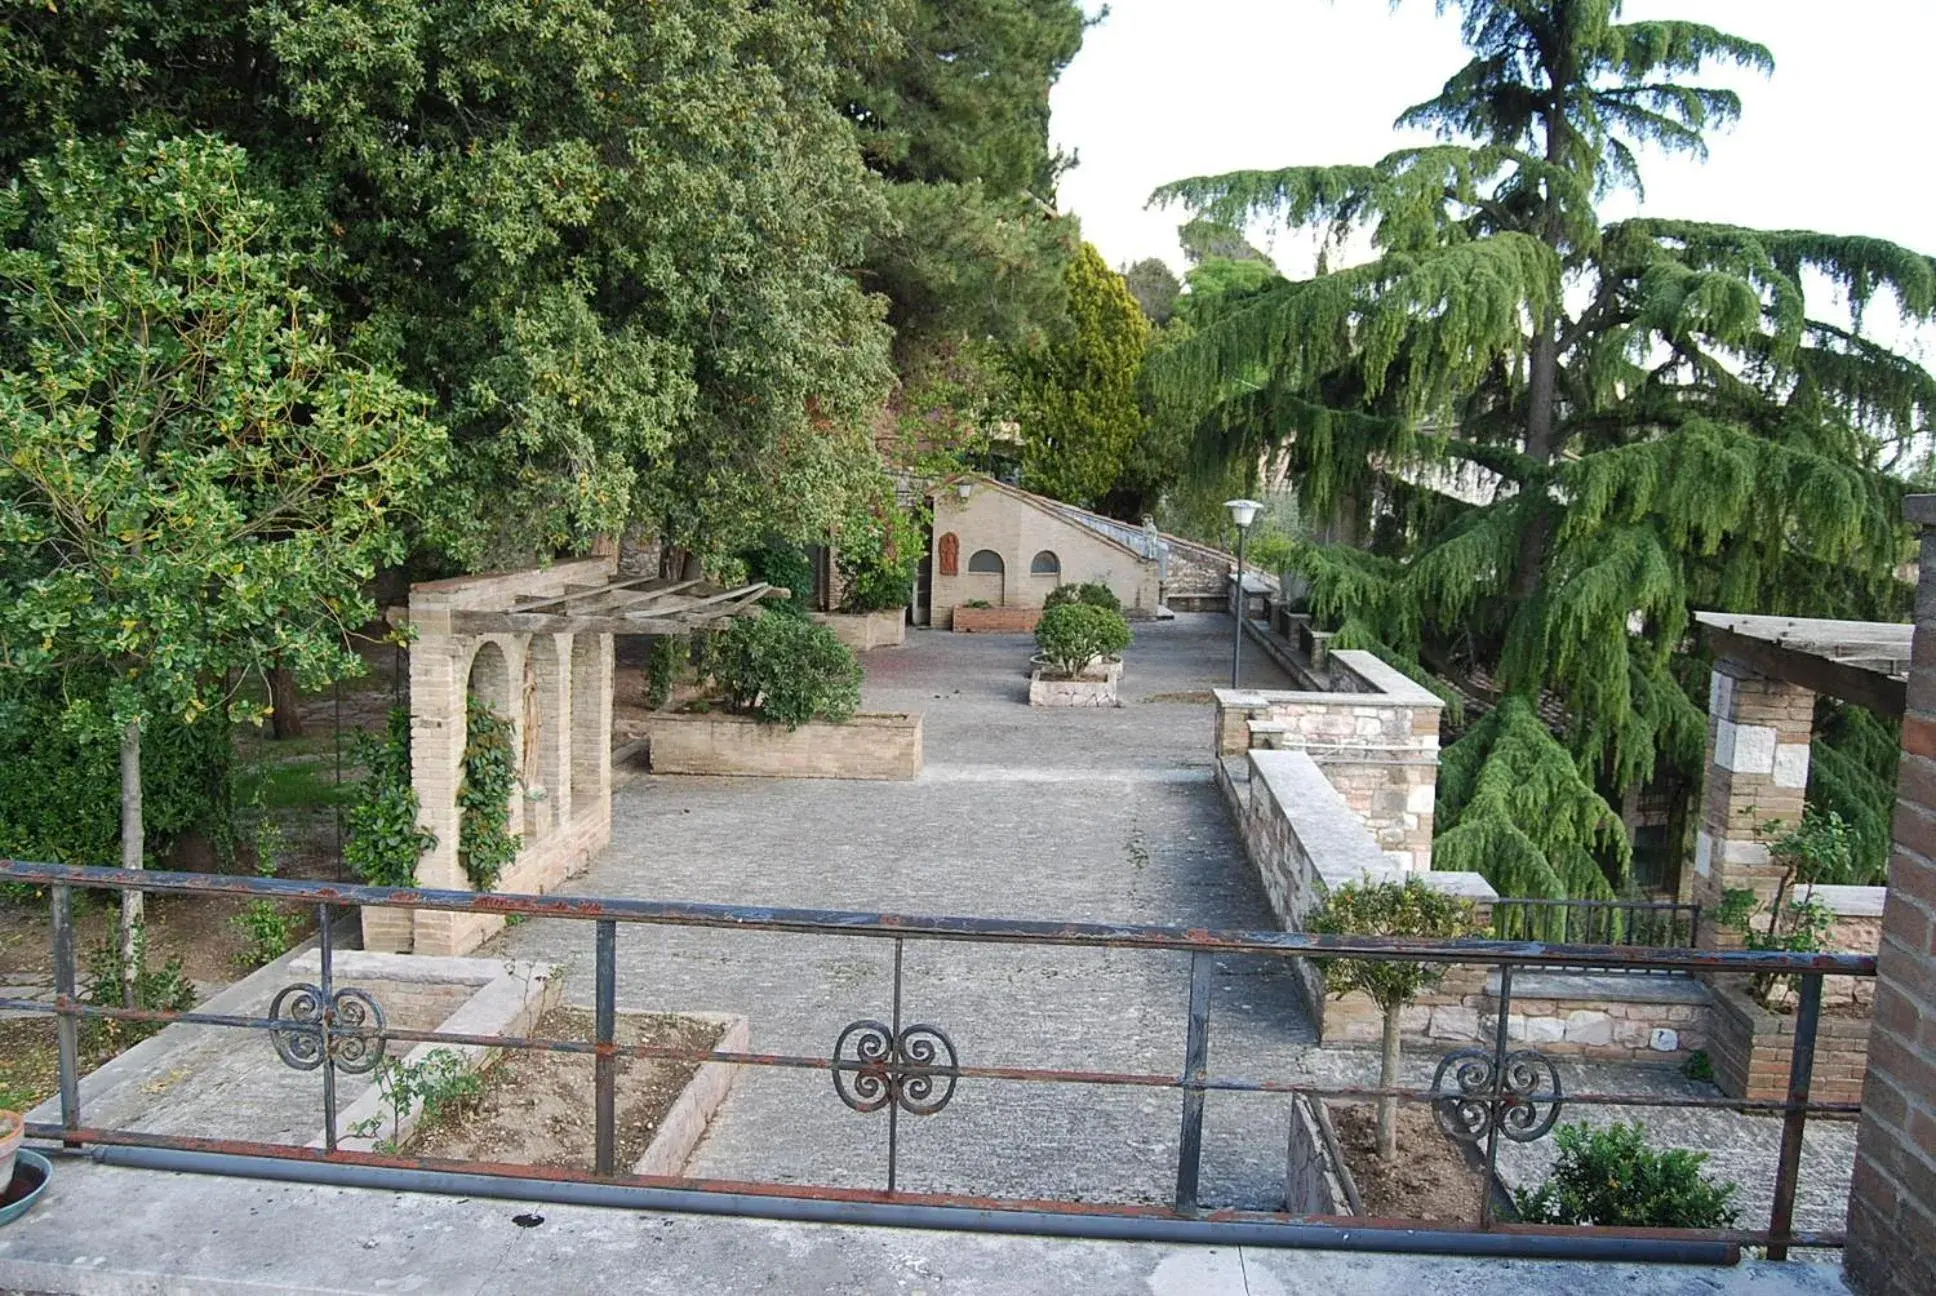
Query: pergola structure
[
  {"x": 536, "y": 646},
  {"x": 1761, "y": 720}
]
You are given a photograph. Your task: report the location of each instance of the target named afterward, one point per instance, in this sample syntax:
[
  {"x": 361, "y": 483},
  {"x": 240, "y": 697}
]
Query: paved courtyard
[{"x": 1023, "y": 813}]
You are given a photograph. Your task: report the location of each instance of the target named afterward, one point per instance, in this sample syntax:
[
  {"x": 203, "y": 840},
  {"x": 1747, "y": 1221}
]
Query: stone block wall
[
  {"x": 1378, "y": 747},
  {"x": 1892, "y": 1203}
]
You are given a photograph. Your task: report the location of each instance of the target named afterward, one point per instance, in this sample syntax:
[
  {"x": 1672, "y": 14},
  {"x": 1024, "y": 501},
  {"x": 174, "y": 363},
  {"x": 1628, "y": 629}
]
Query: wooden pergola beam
[
  {"x": 1880, "y": 693},
  {"x": 647, "y": 618}
]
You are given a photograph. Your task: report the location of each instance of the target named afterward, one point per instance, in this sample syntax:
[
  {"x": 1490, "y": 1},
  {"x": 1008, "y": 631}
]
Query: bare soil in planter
[
  {"x": 537, "y": 1108},
  {"x": 1428, "y": 1179}
]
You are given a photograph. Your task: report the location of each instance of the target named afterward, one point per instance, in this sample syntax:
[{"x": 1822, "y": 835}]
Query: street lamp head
[{"x": 1243, "y": 511}]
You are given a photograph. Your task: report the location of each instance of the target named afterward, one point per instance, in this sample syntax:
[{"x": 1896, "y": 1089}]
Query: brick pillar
[
  {"x": 1758, "y": 732},
  {"x": 1892, "y": 1201}
]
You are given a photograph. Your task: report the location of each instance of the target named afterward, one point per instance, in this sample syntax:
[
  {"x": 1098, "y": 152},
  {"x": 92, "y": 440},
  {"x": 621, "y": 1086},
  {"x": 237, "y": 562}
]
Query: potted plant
[{"x": 1075, "y": 642}]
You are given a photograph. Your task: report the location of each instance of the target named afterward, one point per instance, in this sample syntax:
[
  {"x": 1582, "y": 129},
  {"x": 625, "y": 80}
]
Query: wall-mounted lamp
[{"x": 964, "y": 489}]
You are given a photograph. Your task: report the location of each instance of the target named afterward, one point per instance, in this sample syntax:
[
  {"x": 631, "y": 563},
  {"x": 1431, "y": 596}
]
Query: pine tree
[
  {"x": 1657, "y": 413},
  {"x": 1081, "y": 413}
]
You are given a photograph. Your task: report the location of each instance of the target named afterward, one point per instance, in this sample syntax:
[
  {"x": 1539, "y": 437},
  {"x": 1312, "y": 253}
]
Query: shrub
[
  {"x": 267, "y": 932},
  {"x": 384, "y": 841},
  {"x": 1612, "y": 1177},
  {"x": 163, "y": 989},
  {"x": 877, "y": 551},
  {"x": 1091, "y": 593},
  {"x": 664, "y": 658},
  {"x": 786, "y": 566},
  {"x": 786, "y": 671},
  {"x": 1071, "y": 635},
  {"x": 485, "y": 842}
]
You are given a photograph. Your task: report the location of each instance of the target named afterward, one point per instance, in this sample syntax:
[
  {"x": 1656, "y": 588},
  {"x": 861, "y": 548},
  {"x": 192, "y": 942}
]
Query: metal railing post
[
  {"x": 326, "y": 950},
  {"x": 605, "y": 1061},
  {"x": 1498, "y": 1095},
  {"x": 1801, "y": 1070},
  {"x": 1196, "y": 1064},
  {"x": 66, "y": 1028}
]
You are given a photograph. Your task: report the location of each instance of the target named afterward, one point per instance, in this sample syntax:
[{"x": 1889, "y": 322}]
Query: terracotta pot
[{"x": 13, "y": 1127}]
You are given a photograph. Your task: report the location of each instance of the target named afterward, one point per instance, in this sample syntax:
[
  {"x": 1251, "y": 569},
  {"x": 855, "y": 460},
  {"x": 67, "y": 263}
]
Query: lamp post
[{"x": 1242, "y": 512}]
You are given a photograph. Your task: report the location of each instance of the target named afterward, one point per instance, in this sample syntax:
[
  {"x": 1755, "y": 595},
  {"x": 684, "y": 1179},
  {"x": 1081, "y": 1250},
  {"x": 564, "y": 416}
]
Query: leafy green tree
[
  {"x": 1080, "y": 409},
  {"x": 1407, "y": 908},
  {"x": 196, "y": 484},
  {"x": 1155, "y": 287},
  {"x": 608, "y": 238},
  {"x": 1649, "y": 416}
]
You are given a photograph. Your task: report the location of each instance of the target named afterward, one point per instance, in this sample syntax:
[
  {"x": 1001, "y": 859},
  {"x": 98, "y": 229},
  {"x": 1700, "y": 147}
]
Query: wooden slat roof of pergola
[
  {"x": 1864, "y": 662},
  {"x": 644, "y": 605}
]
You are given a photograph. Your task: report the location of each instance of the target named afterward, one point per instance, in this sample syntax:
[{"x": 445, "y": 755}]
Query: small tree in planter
[
  {"x": 1408, "y": 908},
  {"x": 1071, "y": 636},
  {"x": 1822, "y": 850},
  {"x": 786, "y": 670},
  {"x": 877, "y": 552},
  {"x": 1611, "y": 1177}
]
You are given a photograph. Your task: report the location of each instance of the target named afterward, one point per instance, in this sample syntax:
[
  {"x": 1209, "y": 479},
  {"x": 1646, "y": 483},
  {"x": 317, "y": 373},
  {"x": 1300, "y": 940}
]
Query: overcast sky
[{"x": 1837, "y": 140}]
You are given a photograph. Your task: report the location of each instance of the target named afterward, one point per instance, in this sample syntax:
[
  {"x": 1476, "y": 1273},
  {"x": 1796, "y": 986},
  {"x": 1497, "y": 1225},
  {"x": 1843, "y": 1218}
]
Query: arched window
[
  {"x": 1046, "y": 564},
  {"x": 986, "y": 560}
]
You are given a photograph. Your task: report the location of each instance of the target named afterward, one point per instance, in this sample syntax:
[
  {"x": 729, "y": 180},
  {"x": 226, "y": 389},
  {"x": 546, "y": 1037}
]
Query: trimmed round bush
[
  {"x": 1071, "y": 635},
  {"x": 786, "y": 670},
  {"x": 1612, "y": 1177},
  {"x": 1092, "y": 593}
]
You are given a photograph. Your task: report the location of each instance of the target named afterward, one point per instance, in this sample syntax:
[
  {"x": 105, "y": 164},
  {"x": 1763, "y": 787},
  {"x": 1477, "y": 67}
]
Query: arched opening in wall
[
  {"x": 489, "y": 682},
  {"x": 986, "y": 578},
  {"x": 544, "y": 727},
  {"x": 1046, "y": 564},
  {"x": 590, "y": 742}
]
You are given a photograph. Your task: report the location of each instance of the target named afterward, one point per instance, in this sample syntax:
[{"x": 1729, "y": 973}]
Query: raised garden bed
[
  {"x": 869, "y": 746},
  {"x": 1752, "y": 1048},
  {"x": 1430, "y": 1178},
  {"x": 536, "y": 1107},
  {"x": 862, "y": 631},
  {"x": 995, "y": 620},
  {"x": 1095, "y": 687}
]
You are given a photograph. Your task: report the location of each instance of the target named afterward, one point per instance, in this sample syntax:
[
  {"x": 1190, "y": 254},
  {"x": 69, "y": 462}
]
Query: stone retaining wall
[
  {"x": 1303, "y": 840},
  {"x": 865, "y": 747},
  {"x": 1379, "y": 747},
  {"x": 1314, "y": 1181}
]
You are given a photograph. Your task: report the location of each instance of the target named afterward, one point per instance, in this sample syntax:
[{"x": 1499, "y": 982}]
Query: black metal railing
[
  {"x": 1632, "y": 924},
  {"x": 1480, "y": 1095}
]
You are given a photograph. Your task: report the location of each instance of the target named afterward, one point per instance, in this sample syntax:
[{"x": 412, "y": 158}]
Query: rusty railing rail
[{"x": 913, "y": 1069}]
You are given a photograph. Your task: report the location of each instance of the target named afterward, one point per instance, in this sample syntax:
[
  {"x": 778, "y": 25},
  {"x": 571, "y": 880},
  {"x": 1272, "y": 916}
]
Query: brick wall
[
  {"x": 1892, "y": 1202},
  {"x": 1752, "y": 1050}
]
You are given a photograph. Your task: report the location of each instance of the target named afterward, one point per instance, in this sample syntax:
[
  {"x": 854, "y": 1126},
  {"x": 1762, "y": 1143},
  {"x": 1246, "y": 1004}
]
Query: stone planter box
[
  {"x": 681, "y": 1128},
  {"x": 864, "y": 630},
  {"x": 1316, "y": 1179},
  {"x": 1082, "y": 691},
  {"x": 866, "y": 747},
  {"x": 996, "y": 620},
  {"x": 1752, "y": 1049}
]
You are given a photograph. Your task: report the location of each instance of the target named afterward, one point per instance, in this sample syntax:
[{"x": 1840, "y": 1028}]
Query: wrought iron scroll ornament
[
  {"x": 915, "y": 1070},
  {"x": 1529, "y": 1096},
  {"x": 300, "y": 1042}
]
